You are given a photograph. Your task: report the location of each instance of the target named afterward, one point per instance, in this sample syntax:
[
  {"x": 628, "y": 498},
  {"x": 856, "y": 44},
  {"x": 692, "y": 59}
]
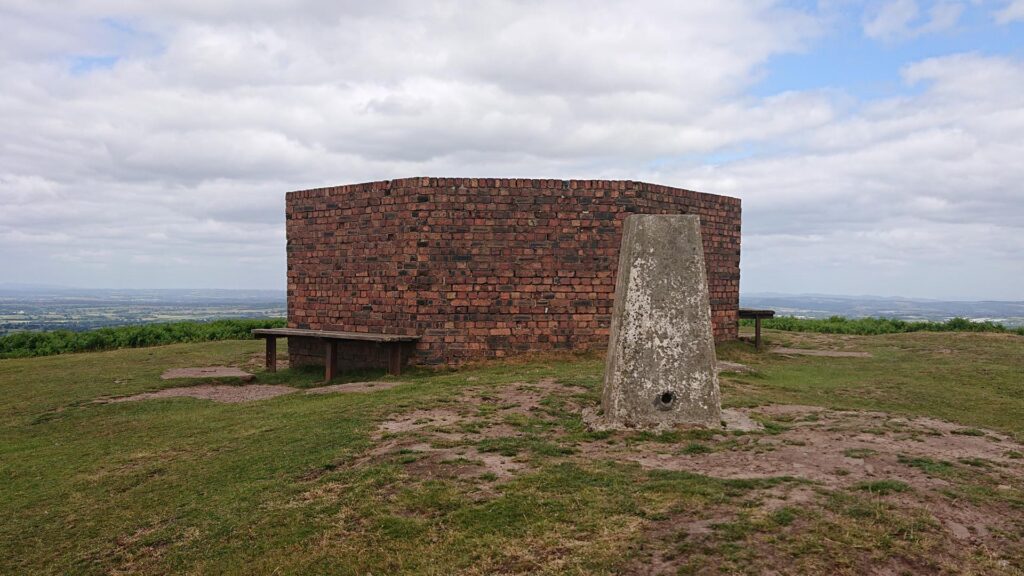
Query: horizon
[
  {"x": 875, "y": 146},
  {"x": 766, "y": 294}
]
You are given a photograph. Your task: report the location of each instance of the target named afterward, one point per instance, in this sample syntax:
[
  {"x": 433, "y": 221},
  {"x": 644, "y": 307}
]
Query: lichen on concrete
[{"x": 660, "y": 369}]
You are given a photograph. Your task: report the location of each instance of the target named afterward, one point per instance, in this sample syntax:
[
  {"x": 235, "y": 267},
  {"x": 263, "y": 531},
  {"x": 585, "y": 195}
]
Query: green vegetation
[
  {"x": 860, "y": 453},
  {"x": 874, "y": 326},
  {"x": 300, "y": 484},
  {"x": 930, "y": 466},
  {"x": 882, "y": 487},
  {"x": 969, "y": 378},
  {"x": 27, "y": 344}
]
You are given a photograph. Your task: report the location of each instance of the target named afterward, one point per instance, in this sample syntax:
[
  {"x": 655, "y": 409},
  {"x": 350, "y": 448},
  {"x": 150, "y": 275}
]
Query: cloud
[
  {"x": 909, "y": 185},
  {"x": 1013, "y": 11},
  {"x": 170, "y": 130},
  {"x": 900, "y": 19},
  {"x": 163, "y": 161}
]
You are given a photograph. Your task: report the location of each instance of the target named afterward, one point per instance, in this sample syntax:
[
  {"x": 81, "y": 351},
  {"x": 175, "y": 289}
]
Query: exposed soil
[
  {"x": 439, "y": 442},
  {"x": 227, "y": 394},
  {"x": 928, "y": 460},
  {"x": 462, "y": 461},
  {"x": 207, "y": 372},
  {"x": 352, "y": 387},
  {"x": 247, "y": 393},
  {"x": 825, "y": 353},
  {"x": 854, "y": 451},
  {"x": 833, "y": 448}
]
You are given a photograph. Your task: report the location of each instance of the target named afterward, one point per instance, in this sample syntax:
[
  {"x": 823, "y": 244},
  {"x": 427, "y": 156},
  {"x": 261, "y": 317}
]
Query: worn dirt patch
[
  {"x": 726, "y": 366},
  {"x": 825, "y": 353},
  {"x": 733, "y": 419},
  {"x": 226, "y": 394},
  {"x": 488, "y": 434},
  {"x": 854, "y": 451},
  {"x": 834, "y": 448},
  {"x": 479, "y": 412},
  {"x": 421, "y": 419},
  {"x": 461, "y": 461},
  {"x": 439, "y": 441},
  {"x": 352, "y": 387},
  {"x": 206, "y": 372}
]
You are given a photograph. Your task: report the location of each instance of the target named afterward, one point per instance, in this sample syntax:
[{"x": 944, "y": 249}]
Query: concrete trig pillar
[{"x": 660, "y": 369}]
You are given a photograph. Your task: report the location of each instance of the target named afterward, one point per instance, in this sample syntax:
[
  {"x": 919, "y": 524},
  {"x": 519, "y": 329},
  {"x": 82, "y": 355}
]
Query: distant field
[
  {"x": 490, "y": 469},
  {"x": 77, "y": 310}
]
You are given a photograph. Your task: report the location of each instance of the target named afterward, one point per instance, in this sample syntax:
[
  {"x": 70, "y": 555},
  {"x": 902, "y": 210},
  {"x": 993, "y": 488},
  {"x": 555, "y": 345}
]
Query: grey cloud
[{"x": 169, "y": 167}]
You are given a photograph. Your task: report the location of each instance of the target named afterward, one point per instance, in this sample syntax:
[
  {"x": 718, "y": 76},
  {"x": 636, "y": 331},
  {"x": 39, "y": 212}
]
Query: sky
[{"x": 878, "y": 146}]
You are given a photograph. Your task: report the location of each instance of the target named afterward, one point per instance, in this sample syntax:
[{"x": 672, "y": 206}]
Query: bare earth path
[{"x": 920, "y": 466}]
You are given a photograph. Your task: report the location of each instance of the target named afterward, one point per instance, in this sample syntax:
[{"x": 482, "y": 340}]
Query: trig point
[{"x": 660, "y": 369}]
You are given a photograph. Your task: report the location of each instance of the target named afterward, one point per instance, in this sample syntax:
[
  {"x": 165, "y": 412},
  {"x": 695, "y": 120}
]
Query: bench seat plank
[
  {"x": 393, "y": 342},
  {"x": 751, "y": 313}
]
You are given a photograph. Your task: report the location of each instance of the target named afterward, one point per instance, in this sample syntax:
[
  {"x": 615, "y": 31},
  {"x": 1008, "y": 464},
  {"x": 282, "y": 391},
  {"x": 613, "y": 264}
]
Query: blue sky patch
[
  {"x": 85, "y": 64},
  {"x": 845, "y": 58}
]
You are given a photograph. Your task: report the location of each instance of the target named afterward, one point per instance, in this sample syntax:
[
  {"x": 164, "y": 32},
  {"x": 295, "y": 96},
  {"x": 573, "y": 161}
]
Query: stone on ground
[{"x": 660, "y": 369}]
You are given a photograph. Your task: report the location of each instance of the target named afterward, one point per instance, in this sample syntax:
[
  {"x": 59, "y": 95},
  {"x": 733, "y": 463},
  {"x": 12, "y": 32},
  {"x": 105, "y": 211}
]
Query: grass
[
  {"x": 876, "y": 326},
  {"x": 882, "y": 487},
  {"x": 969, "y": 378},
  {"x": 290, "y": 485}
]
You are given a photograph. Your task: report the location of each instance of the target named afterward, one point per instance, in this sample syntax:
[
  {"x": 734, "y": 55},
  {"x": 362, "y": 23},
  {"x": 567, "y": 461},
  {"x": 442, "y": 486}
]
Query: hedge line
[
  {"x": 25, "y": 344},
  {"x": 868, "y": 326}
]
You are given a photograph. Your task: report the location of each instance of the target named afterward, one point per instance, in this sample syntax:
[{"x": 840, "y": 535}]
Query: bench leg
[
  {"x": 395, "y": 359},
  {"x": 757, "y": 333},
  {"x": 330, "y": 360},
  {"x": 271, "y": 354}
]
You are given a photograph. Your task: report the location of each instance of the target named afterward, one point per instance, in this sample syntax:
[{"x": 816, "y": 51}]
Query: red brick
[{"x": 481, "y": 267}]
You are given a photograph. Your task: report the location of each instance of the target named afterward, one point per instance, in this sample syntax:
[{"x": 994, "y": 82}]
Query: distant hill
[{"x": 823, "y": 306}]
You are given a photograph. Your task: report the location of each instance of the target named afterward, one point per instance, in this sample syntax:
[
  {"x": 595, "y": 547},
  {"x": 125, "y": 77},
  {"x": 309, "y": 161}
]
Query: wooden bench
[
  {"x": 393, "y": 342},
  {"x": 756, "y": 315}
]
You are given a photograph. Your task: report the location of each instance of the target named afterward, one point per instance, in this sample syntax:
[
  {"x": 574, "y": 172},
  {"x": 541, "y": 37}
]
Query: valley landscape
[{"x": 34, "y": 308}]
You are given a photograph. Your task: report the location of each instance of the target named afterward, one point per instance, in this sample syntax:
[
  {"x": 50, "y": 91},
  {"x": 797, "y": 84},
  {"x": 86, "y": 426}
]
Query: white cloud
[
  {"x": 182, "y": 141},
  {"x": 901, "y": 19},
  {"x": 166, "y": 165},
  {"x": 912, "y": 185},
  {"x": 1013, "y": 11},
  {"x": 892, "y": 19}
]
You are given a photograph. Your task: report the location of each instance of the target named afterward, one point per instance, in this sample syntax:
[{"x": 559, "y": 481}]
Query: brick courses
[{"x": 483, "y": 267}]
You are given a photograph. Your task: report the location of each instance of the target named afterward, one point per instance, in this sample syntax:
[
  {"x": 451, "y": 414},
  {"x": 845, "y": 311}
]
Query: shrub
[{"x": 25, "y": 344}]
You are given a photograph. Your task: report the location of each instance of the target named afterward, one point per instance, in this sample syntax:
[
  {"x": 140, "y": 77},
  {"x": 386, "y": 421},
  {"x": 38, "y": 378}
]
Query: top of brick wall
[{"x": 507, "y": 183}]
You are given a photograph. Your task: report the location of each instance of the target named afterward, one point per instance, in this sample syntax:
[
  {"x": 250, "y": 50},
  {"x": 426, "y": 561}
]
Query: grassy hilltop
[{"x": 490, "y": 469}]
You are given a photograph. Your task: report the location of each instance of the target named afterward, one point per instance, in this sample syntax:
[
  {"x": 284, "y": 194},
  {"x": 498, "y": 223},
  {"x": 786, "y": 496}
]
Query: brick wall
[
  {"x": 484, "y": 267},
  {"x": 352, "y": 355}
]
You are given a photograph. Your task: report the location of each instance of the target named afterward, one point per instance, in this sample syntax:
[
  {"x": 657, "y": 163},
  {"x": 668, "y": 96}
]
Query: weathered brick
[{"x": 481, "y": 267}]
